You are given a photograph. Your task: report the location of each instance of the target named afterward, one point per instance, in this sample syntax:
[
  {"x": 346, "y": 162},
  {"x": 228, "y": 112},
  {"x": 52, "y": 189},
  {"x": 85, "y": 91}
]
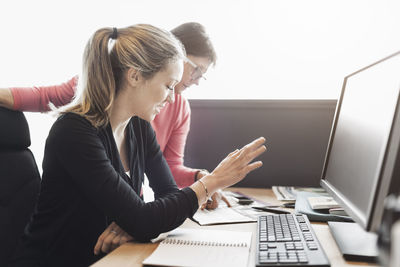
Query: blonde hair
[{"x": 143, "y": 47}]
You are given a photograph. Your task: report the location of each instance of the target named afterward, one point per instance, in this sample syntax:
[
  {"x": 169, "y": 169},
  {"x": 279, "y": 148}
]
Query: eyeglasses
[{"x": 196, "y": 73}]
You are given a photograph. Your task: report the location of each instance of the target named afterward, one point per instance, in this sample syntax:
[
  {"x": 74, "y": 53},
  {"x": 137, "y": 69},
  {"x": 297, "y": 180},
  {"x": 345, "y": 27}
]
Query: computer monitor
[{"x": 362, "y": 161}]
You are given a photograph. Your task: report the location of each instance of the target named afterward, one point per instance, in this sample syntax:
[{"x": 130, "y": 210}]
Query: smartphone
[{"x": 242, "y": 200}]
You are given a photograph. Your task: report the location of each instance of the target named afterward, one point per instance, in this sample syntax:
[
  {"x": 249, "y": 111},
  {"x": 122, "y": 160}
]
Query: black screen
[{"x": 363, "y": 145}]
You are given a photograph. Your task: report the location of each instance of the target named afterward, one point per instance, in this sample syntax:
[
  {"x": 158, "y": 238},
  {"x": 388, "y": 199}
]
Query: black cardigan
[{"x": 84, "y": 188}]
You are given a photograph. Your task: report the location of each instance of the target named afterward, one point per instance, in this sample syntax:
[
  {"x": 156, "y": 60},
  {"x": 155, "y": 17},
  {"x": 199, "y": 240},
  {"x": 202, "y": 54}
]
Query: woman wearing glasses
[
  {"x": 172, "y": 125},
  {"x": 101, "y": 145}
]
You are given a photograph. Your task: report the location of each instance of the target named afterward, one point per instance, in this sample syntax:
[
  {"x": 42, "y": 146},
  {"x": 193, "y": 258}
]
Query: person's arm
[
  {"x": 38, "y": 98},
  {"x": 157, "y": 170},
  {"x": 6, "y": 98},
  {"x": 75, "y": 144},
  {"x": 232, "y": 169},
  {"x": 161, "y": 181},
  {"x": 175, "y": 148}
]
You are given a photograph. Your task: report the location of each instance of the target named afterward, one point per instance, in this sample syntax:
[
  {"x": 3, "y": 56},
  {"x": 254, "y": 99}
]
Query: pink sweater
[
  {"x": 172, "y": 125},
  {"x": 38, "y": 98}
]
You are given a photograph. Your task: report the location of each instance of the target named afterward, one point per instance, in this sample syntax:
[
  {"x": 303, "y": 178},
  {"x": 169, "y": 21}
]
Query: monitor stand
[{"x": 354, "y": 242}]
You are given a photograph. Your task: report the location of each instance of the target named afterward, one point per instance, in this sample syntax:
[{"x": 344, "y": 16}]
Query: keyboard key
[
  {"x": 268, "y": 261},
  {"x": 296, "y": 238},
  {"x": 303, "y": 259},
  {"x": 289, "y": 246},
  {"x": 287, "y": 260},
  {"x": 272, "y": 255},
  {"x": 312, "y": 245},
  {"x": 298, "y": 246}
]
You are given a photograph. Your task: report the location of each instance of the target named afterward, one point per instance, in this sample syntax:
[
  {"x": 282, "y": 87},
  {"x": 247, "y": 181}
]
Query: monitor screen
[{"x": 363, "y": 146}]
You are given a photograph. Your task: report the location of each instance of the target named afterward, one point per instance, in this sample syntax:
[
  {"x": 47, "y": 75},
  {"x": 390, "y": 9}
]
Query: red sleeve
[
  {"x": 175, "y": 147},
  {"x": 38, "y": 98}
]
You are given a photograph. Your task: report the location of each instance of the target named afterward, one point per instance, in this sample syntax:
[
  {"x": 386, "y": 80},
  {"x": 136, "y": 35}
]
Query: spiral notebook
[{"x": 197, "y": 247}]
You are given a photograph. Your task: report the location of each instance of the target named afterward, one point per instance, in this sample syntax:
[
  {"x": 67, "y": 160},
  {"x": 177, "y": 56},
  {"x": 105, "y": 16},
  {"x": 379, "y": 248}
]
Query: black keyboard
[{"x": 288, "y": 240}]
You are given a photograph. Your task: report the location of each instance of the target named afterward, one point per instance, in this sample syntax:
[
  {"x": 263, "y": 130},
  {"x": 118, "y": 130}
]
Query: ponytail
[{"x": 98, "y": 79}]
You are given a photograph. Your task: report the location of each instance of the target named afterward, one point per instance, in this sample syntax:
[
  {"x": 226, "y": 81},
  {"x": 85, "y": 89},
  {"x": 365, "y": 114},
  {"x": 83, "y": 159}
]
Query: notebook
[{"x": 198, "y": 247}]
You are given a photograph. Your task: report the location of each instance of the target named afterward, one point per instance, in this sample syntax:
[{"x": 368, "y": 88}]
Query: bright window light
[{"x": 267, "y": 49}]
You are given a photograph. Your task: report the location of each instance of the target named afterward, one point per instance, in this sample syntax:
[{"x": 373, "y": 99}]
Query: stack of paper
[
  {"x": 289, "y": 193},
  {"x": 321, "y": 202}
]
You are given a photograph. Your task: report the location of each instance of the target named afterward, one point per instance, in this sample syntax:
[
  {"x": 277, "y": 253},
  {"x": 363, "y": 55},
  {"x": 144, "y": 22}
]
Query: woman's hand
[
  {"x": 111, "y": 238},
  {"x": 6, "y": 98},
  {"x": 231, "y": 170},
  {"x": 238, "y": 163},
  {"x": 214, "y": 202}
]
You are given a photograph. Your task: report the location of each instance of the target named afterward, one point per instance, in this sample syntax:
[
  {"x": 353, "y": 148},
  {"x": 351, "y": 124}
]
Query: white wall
[{"x": 266, "y": 48}]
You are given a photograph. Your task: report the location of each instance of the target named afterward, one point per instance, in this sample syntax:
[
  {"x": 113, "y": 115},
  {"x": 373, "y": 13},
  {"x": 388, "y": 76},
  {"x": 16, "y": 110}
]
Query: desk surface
[{"x": 132, "y": 254}]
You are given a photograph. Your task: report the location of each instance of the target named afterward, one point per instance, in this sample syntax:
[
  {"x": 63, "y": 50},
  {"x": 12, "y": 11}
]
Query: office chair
[{"x": 19, "y": 180}]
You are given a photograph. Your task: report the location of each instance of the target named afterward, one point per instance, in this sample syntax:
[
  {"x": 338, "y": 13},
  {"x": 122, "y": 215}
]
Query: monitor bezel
[{"x": 390, "y": 165}]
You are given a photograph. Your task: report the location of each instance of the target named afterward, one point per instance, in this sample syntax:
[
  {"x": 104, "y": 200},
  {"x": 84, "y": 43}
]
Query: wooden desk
[{"x": 132, "y": 254}]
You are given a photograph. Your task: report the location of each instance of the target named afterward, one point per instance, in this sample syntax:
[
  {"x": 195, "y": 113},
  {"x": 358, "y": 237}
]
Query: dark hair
[{"x": 196, "y": 41}]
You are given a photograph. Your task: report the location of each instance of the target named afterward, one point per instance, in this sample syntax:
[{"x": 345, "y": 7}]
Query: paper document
[
  {"x": 320, "y": 203},
  {"x": 288, "y": 193},
  {"x": 224, "y": 215},
  {"x": 338, "y": 211},
  {"x": 197, "y": 247},
  {"x": 221, "y": 215}
]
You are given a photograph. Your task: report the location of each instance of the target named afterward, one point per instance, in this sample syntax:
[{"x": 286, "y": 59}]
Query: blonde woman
[
  {"x": 171, "y": 125},
  {"x": 100, "y": 147}
]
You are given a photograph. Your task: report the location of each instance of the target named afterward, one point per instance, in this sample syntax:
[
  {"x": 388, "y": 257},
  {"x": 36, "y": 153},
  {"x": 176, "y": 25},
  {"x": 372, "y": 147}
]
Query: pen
[{"x": 272, "y": 210}]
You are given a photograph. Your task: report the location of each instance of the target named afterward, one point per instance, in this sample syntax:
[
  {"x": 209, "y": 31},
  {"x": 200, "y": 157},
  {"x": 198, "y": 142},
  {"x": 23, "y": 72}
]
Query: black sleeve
[
  {"x": 78, "y": 148},
  {"x": 157, "y": 170}
]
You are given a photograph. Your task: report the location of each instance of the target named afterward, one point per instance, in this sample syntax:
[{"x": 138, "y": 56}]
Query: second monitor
[{"x": 362, "y": 164}]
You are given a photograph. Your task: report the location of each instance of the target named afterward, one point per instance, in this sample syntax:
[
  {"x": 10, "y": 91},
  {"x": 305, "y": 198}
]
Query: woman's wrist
[
  {"x": 204, "y": 188},
  {"x": 200, "y": 173},
  {"x": 210, "y": 181},
  {"x": 198, "y": 188}
]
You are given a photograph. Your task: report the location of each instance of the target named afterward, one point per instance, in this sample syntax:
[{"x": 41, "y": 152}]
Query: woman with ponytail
[
  {"x": 101, "y": 145},
  {"x": 172, "y": 125}
]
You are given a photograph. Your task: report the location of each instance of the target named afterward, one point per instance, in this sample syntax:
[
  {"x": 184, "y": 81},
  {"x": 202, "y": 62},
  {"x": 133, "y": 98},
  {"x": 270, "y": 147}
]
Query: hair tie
[{"x": 114, "y": 34}]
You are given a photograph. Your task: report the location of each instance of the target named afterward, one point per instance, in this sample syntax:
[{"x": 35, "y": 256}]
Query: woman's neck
[{"x": 121, "y": 112}]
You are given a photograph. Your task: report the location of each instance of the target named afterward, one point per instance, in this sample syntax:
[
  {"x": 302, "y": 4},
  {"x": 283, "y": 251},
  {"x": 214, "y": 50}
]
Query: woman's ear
[{"x": 133, "y": 77}]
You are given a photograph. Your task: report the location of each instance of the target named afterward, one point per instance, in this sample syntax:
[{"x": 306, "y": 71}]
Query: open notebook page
[{"x": 198, "y": 247}]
